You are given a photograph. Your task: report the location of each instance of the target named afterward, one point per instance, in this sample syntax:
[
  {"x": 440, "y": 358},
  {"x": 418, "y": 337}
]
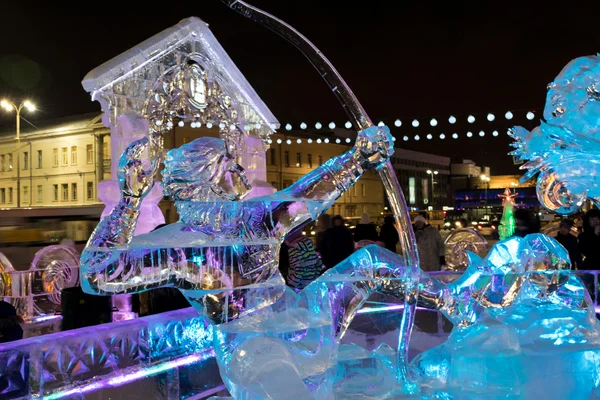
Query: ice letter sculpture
[{"x": 565, "y": 149}]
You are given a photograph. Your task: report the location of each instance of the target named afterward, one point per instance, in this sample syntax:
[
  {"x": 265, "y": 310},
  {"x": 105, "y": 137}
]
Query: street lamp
[
  {"x": 432, "y": 173},
  {"x": 10, "y": 106},
  {"x": 486, "y": 182}
]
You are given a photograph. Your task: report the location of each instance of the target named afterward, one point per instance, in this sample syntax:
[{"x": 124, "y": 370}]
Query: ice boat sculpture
[
  {"x": 565, "y": 149},
  {"x": 525, "y": 328}
]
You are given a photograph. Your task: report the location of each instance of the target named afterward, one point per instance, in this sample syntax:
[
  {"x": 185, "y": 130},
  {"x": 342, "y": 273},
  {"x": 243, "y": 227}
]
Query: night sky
[{"x": 402, "y": 59}]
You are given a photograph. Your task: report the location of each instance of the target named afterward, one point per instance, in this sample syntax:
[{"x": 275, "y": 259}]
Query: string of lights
[
  {"x": 433, "y": 121},
  {"x": 415, "y": 123}
]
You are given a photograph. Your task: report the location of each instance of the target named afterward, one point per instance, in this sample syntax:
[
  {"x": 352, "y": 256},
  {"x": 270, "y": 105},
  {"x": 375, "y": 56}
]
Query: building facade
[
  {"x": 61, "y": 163},
  {"x": 58, "y": 164},
  {"x": 424, "y": 178}
]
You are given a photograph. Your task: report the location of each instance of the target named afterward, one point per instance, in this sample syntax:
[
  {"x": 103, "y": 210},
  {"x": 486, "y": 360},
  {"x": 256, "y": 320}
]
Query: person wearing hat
[
  {"x": 430, "y": 245},
  {"x": 569, "y": 242}
]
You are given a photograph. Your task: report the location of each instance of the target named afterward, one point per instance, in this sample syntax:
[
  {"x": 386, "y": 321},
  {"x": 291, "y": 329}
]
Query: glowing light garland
[{"x": 415, "y": 123}]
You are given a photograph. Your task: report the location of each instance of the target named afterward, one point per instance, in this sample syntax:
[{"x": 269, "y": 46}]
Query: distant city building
[{"x": 62, "y": 161}]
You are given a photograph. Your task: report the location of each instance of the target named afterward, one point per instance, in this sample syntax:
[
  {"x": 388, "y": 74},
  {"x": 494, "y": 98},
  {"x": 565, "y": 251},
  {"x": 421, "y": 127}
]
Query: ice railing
[{"x": 167, "y": 356}]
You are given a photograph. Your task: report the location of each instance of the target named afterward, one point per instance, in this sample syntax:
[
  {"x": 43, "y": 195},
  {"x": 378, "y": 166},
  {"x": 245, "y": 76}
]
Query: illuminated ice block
[
  {"x": 564, "y": 149},
  {"x": 125, "y": 87},
  {"x": 534, "y": 332}
]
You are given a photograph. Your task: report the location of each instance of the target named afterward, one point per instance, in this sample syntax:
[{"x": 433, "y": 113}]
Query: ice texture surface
[
  {"x": 535, "y": 333},
  {"x": 564, "y": 149}
]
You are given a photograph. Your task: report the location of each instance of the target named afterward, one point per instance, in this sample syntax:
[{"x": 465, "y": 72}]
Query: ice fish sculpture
[{"x": 565, "y": 149}]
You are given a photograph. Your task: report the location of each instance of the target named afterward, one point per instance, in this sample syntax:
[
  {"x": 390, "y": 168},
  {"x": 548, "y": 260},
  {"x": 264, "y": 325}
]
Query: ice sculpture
[
  {"x": 564, "y": 149},
  {"x": 181, "y": 66},
  {"x": 458, "y": 245},
  {"x": 36, "y": 292},
  {"x": 531, "y": 328},
  {"x": 223, "y": 256}
]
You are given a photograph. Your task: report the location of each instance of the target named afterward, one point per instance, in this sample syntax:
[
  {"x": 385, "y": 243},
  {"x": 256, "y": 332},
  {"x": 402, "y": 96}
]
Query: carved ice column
[
  {"x": 254, "y": 162},
  {"x": 124, "y": 129}
]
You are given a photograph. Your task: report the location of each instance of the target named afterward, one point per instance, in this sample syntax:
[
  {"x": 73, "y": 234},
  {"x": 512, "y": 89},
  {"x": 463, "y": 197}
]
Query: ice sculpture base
[{"x": 165, "y": 356}]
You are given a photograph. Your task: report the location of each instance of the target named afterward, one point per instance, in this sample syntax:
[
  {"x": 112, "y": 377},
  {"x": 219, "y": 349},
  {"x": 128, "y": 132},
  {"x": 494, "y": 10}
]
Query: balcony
[{"x": 106, "y": 163}]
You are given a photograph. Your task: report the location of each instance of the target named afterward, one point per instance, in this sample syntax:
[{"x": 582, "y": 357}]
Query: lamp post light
[
  {"x": 10, "y": 106},
  {"x": 432, "y": 173},
  {"x": 486, "y": 182}
]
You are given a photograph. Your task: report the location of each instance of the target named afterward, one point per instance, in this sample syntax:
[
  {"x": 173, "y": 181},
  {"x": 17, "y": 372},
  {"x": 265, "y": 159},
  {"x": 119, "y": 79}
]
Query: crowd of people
[{"x": 302, "y": 260}]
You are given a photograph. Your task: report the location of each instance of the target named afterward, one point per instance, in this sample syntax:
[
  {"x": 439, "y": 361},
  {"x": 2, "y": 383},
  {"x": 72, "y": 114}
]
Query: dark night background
[{"x": 402, "y": 59}]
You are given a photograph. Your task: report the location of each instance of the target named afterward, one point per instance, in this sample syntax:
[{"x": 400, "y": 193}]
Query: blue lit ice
[
  {"x": 534, "y": 332},
  {"x": 564, "y": 149}
]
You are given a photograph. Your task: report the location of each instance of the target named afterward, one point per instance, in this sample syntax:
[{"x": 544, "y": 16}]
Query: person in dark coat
[
  {"x": 338, "y": 243},
  {"x": 365, "y": 230},
  {"x": 525, "y": 222},
  {"x": 10, "y": 323},
  {"x": 323, "y": 224},
  {"x": 389, "y": 234},
  {"x": 569, "y": 242},
  {"x": 589, "y": 240}
]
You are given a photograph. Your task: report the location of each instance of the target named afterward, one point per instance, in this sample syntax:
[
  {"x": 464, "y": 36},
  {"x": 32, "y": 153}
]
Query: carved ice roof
[{"x": 128, "y": 77}]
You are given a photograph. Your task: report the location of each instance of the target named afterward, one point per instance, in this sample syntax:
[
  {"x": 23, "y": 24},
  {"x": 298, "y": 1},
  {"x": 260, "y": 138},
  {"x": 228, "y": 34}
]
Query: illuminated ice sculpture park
[{"x": 524, "y": 326}]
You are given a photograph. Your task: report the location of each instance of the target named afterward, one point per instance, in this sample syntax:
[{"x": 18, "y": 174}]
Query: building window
[
  {"x": 320, "y": 160},
  {"x": 90, "y": 190},
  {"x": 65, "y": 192},
  {"x": 309, "y": 160},
  {"x": 363, "y": 190},
  {"x": 286, "y": 158},
  {"x": 9, "y": 160},
  {"x": 55, "y": 193},
  {"x": 25, "y": 160},
  {"x": 272, "y": 157},
  {"x": 10, "y": 195},
  {"x": 74, "y": 191},
  {"x": 298, "y": 160},
  {"x": 354, "y": 191},
  {"x": 2, "y": 163},
  {"x": 73, "y": 155},
  {"x": 40, "y": 194},
  {"x": 65, "y": 155},
  {"x": 39, "y": 159},
  {"x": 89, "y": 154},
  {"x": 25, "y": 194},
  {"x": 412, "y": 198},
  {"x": 55, "y": 157},
  {"x": 2, "y": 195},
  {"x": 105, "y": 155}
]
